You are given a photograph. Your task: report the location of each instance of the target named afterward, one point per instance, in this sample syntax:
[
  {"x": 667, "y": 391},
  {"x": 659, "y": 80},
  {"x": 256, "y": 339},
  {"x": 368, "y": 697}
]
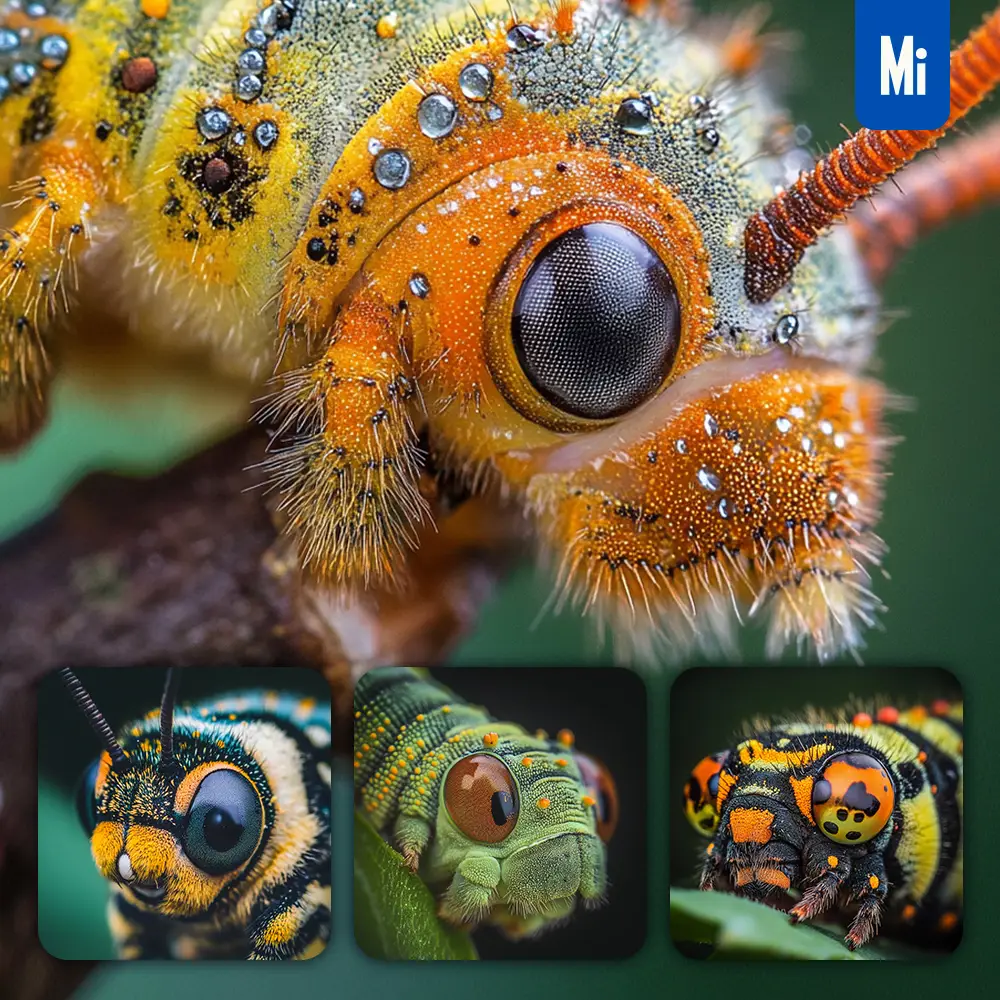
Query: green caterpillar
[
  {"x": 862, "y": 808},
  {"x": 510, "y": 828}
]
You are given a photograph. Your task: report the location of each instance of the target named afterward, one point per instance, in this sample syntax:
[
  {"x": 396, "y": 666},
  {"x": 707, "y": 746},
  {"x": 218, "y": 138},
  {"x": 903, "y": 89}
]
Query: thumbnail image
[
  {"x": 510, "y": 842},
  {"x": 203, "y": 801}
]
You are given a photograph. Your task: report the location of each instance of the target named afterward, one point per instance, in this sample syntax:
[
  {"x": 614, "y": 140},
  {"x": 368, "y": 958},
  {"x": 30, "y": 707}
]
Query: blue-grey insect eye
[
  {"x": 86, "y": 799},
  {"x": 596, "y": 322},
  {"x": 224, "y": 822}
]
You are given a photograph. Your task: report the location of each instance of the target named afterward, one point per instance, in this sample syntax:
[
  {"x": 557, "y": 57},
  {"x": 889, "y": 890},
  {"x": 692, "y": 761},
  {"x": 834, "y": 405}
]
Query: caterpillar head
[
  {"x": 559, "y": 250},
  {"x": 521, "y": 833},
  {"x": 182, "y": 808},
  {"x": 778, "y": 806}
]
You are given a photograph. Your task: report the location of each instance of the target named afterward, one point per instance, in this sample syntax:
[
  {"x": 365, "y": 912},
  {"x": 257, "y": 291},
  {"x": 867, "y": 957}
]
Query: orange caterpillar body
[{"x": 515, "y": 255}]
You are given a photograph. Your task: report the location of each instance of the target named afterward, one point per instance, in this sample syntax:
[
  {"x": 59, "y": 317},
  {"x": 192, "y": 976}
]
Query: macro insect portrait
[
  {"x": 845, "y": 812},
  {"x": 205, "y": 813},
  {"x": 488, "y": 822},
  {"x": 556, "y": 273}
]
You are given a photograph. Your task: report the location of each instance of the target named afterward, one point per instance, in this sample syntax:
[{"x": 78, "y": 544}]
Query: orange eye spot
[
  {"x": 862, "y": 719},
  {"x": 853, "y": 798},
  {"x": 701, "y": 791},
  {"x": 922, "y": 757},
  {"x": 908, "y": 912},
  {"x": 588, "y": 801},
  {"x": 543, "y": 803},
  {"x": 560, "y": 762},
  {"x": 832, "y": 860},
  {"x": 387, "y": 25},
  {"x": 490, "y": 739},
  {"x": 873, "y": 881},
  {"x": 566, "y": 737},
  {"x": 602, "y": 792},
  {"x": 526, "y": 762},
  {"x": 888, "y": 714},
  {"x": 940, "y": 707},
  {"x": 156, "y": 9},
  {"x": 481, "y": 798},
  {"x": 948, "y": 921}
]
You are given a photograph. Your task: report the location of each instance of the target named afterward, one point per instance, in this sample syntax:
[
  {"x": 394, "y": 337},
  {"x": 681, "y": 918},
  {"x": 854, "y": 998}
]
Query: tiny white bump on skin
[
  {"x": 323, "y": 770},
  {"x": 317, "y": 735},
  {"x": 125, "y": 867}
]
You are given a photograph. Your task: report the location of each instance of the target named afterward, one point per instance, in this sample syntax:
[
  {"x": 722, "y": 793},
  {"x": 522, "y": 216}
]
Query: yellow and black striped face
[
  {"x": 840, "y": 809},
  {"x": 228, "y": 818}
]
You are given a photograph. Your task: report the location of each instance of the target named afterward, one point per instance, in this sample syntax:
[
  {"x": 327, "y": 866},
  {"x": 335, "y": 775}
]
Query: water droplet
[
  {"x": 698, "y": 104},
  {"x": 437, "y": 115},
  {"x": 374, "y": 146},
  {"x": 21, "y": 75},
  {"x": 807, "y": 444},
  {"x": 852, "y": 497},
  {"x": 392, "y": 168},
  {"x": 826, "y": 427},
  {"x": 255, "y": 38},
  {"x": 494, "y": 112},
  {"x": 522, "y": 37},
  {"x": 420, "y": 286},
  {"x": 833, "y": 498},
  {"x": 54, "y": 50},
  {"x": 786, "y": 328},
  {"x": 213, "y": 123},
  {"x": 681, "y": 445},
  {"x": 476, "y": 81},
  {"x": 840, "y": 440},
  {"x": 796, "y": 412},
  {"x": 724, "y": 508},
  {"x": 356, "y": 201},
  {"x": 9, "y": 42},
  {"x": 708, "y": 480},
  {"x": 711, "y": 425},
  {"x": 249, "y": 87},
  {"x": 4, "y": 87},
  {"x": 635, "y": 116},
  {"x": 708, "y": 138},
  {"x": 251, "y": 61},
  {"x": 783, "y": 424},
  {"x": 266, "y": 134},
  {"x": 737, "y": 449}
]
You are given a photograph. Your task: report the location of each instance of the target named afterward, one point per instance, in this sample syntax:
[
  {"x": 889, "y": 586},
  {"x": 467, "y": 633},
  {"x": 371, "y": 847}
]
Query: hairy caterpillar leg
[
  {"x": 829, "y": 870},
  {"x": 869, "y": 885},
  {"x": 39, "y": 253},
  {"x": 349, "y": 477},
  {"x": 296, "y": 925},
  {"x": 411, "y": 835}
]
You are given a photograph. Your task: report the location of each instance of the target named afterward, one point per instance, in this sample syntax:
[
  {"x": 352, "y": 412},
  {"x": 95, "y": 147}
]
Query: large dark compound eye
[
  {"x": 596, "y": 322},
  {"x": 223, "y": 823}
]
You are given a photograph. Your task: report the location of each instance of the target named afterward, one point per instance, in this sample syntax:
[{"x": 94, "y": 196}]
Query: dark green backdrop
[{"x": 940, "y": 522}]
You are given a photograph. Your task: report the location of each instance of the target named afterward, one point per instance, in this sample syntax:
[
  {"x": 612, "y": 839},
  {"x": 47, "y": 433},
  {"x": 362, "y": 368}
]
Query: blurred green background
[{"x": 939, "y": 522}]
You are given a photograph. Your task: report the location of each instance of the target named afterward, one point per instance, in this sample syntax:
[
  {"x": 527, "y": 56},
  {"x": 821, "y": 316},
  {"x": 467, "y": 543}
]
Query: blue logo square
[{"x": 902, "y": 58}]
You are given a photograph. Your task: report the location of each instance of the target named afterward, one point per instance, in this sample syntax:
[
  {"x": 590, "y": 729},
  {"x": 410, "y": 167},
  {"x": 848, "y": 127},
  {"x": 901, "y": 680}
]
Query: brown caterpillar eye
[
  {"x": 853, "y": 798},
  {"x": 481, "y": 798},
  {"x": 598, "y": 781},
  {"x": 596, "y": 322},
  {"x": 701, "y": 792}
]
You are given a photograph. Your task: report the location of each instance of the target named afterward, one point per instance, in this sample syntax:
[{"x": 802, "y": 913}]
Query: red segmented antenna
[
  {"x": 938, "y": 189},
  {"x": 779, "y": 233}
]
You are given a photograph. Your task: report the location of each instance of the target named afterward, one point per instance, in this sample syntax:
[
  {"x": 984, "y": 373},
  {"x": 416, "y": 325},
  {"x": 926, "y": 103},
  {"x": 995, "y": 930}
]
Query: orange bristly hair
[
  {"x": 777, "y": 235},
  {"x": 937, "y": 190}
]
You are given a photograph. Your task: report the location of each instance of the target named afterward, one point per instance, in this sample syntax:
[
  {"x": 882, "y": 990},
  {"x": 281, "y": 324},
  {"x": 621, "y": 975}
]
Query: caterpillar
[
  {"x": 861, "y": 808},
  {"x": 509, "y": 829},
  {"x": 211, "y": 821},
  {"x": 474, "y": 256}
]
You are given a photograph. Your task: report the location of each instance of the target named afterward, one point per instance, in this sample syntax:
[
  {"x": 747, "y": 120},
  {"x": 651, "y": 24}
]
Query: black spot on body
[
  {"x": 842, "y": 814},
  {"x": 831, "y": 828},
  {"x": 854, "y": 835}
]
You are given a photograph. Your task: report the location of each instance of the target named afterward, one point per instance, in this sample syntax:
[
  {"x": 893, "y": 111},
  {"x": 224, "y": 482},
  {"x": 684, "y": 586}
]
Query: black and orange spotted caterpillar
[
  {"x": 565, "y": 254},
  {"x": 865, "y": 810}
]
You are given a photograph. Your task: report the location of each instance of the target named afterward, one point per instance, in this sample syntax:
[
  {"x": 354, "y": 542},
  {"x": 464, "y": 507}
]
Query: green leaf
[
  {"x": 395, "y": 915},
  {"x": 723, "y": 926}
]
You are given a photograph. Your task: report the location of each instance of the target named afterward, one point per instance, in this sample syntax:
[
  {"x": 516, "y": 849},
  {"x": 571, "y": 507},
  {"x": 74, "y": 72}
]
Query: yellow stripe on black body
[{"x": 864, "y": 809}]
